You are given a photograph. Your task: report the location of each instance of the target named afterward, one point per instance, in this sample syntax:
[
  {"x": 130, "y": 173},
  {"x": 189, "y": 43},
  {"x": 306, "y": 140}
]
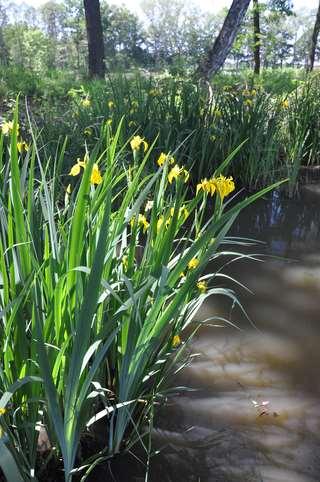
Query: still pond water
[{"x": 256, "y": 413}]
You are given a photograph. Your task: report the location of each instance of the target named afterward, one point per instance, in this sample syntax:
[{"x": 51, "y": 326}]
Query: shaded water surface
[{"x": 256, "y": 413}]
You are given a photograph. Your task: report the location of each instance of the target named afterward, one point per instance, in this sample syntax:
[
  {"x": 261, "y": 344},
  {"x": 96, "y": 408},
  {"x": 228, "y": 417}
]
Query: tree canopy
[{"x": 174, "y": 34}]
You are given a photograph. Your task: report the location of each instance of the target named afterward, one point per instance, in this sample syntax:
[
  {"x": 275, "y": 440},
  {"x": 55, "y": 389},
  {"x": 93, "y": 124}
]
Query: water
[{"x": 256, "y": 414}]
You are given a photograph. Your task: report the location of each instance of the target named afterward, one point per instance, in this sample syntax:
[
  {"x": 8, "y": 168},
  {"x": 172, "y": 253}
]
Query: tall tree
[
  {"x": 275, "y": 6},
  {"x": 74, "y": 36},
  {"x": 178, "y": 32},
  {"x": 52, "y": 17},
  {"x": 218, "y": 53},
  {"x": 124, "y": 38},
  {"x": 4, "y": 57},
  {"x": 241, "y": 52},
  {"x": 314, "y": 39},
  {"x": 165, "y": 35},
  {"x": 256, "y": 36},
  {"x": 95, "y": 38}
]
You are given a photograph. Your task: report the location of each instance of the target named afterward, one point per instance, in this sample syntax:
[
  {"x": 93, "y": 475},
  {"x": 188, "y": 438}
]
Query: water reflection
[
  {"x": 256, "y": 414},
  {"x": 285, "y": 225}
]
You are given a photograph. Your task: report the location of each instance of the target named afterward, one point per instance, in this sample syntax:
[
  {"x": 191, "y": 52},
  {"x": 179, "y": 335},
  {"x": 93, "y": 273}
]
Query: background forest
[{"x": 173, "y": 35}]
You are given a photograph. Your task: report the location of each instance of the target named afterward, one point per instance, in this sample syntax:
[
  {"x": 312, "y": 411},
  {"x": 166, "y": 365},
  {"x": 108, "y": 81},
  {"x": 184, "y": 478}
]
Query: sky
[
  {"x": 213, "y": 6},
  {"x": 206, "y": 5}
]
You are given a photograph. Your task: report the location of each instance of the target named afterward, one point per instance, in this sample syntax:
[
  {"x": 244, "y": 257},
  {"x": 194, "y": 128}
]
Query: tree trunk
[
  {"x": 314, "y": 39},
  {"x": 221, "y": 47},
  {"x": 256, "y": 37},
  {"x": 95, "y": 38},
  {"x": 4, "y": 56}
]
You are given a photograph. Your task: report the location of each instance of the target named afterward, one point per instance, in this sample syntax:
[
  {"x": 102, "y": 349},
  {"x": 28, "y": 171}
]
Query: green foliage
[
  {"x": 281, "y": 81},
  {"x": 124, "y": 37},
  {"x": 301, "y": 128},
  {"x": 100, "y": 284},
  {"x": 250, "y": 115},
  {"x": 176, "y": 34},
  {"x": 283, "y": 6},
  {"x": 28, "y": 47},
  {"x": 180, "y": 113}
]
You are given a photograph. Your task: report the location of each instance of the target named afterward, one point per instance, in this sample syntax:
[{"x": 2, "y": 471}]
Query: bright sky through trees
[{"x": 209, "y": 5}]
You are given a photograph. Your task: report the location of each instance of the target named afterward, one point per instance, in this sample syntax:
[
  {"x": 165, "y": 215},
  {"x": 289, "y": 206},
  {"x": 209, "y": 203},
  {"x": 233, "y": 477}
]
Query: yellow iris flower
[
  {"x": 183, "y": 212},
  {"x": 193, "y": 263},
  {"x": 136, "y": 142},
  {"x": 142, "y": 222},
  {"x": 202, "y": 286},
  {"x": 224, "y": 186},
  {"x": 124, "y": 262},
  {"x": 76, "y": 168},
  {"x": 22, "y": 146},
  {"x": 160, "y": 223},
  {"x": 221, "y": 184},
  {"x": 86, "y": 102},
  {"x": 95, "y": 177},
  {"x": 176, "y": 341},
  {"x": 207, "y": 185},
  {"x": 176, "y": 172},
  {"x": 163, "y": 158},
  {"x": 7, "y": 127}
]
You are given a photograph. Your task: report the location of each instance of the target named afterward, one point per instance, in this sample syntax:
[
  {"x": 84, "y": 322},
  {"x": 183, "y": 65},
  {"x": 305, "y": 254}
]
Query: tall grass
[
  {"x": 250, "y": 116},
  {"x": 280, "y": 125},
  {"x": 281, "y": 131},
  {"x": 181, "y": 113},
  {"x": 301, "y": 129},
  {"x": 99, "y": 284}
]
